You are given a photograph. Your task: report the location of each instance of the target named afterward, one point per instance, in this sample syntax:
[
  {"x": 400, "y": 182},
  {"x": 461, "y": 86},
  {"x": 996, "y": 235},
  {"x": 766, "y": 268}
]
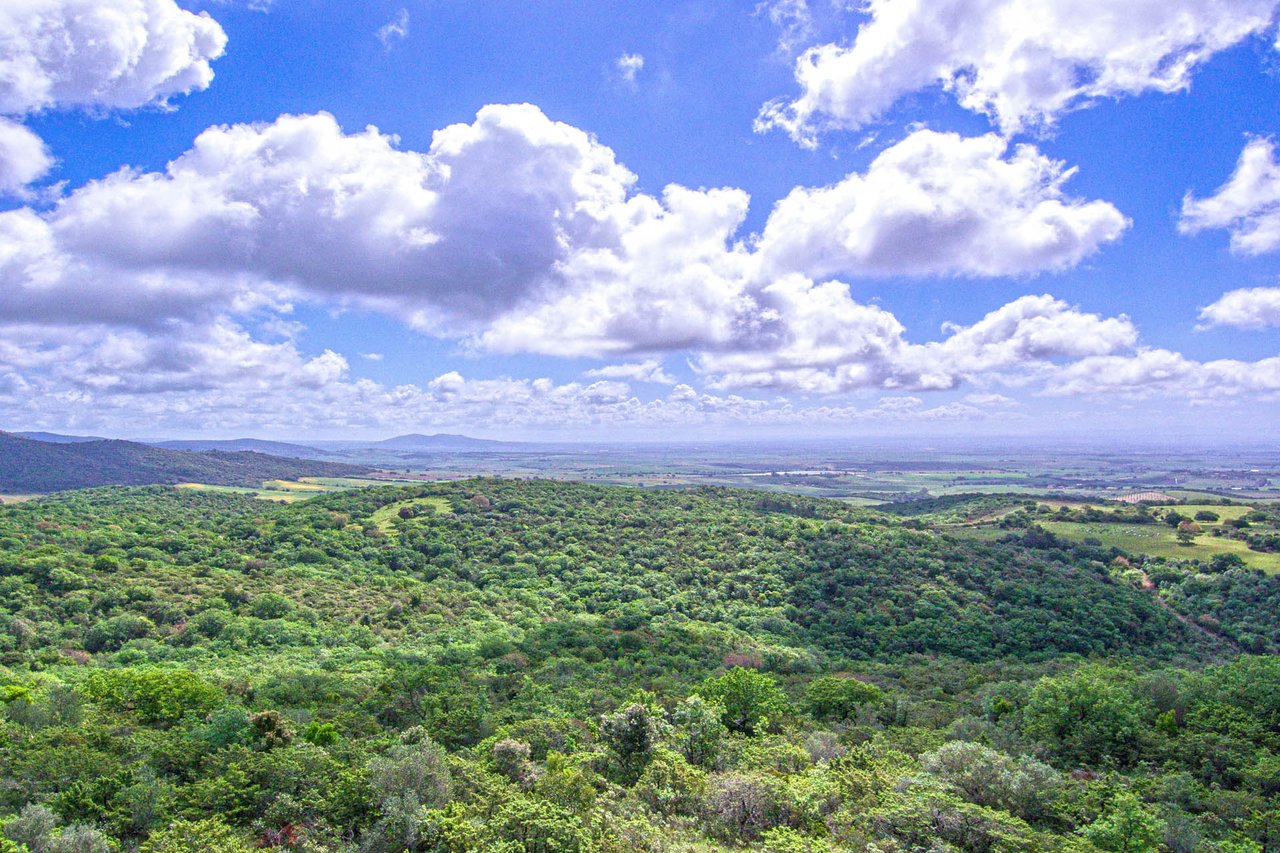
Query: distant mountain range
[
  {"x": 64, "y": 462},
  {"x": 441, "y": 441},
  {"x": 55, "y": 438},
  {"x": 257, "y": 445}
]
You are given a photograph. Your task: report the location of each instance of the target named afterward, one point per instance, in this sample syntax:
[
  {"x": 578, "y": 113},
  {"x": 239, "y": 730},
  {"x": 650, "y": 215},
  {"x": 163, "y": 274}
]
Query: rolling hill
[
  {"x": 58, "y": 438},
  {"x": 255, "y": 445},
  {"x": 27, "y": 465},
  {"x": 540, "y": 666}
]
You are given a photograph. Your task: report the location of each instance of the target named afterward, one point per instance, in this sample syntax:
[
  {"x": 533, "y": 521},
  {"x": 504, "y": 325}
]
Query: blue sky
[{"x": 637, "y": 220}]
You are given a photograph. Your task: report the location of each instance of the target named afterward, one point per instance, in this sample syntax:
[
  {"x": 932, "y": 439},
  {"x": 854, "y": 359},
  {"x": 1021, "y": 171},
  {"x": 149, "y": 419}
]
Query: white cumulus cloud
[
  {"x": 1021, "y": 62},
  {"x": 97, "y": 55},
  {"x": 1245, "y": 308},
  {"x": 940, "y": 203},
  {"x": 650, "y": 370},
  {"x": 827, "y": 343},
  {"x": 300, "y": 206},
  {"x": 1153, "y": 372},
  {"x": 1247, "y": 205},
  {"x": 190, "y": 378},
  {"x": 23, "y": 157},
  {"x": 515, "y": 233},
  {"x": 102, "y": 53}
]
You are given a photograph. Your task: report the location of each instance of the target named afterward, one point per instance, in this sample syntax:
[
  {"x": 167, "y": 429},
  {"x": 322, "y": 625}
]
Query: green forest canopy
[{"x": 534, "y": 666}]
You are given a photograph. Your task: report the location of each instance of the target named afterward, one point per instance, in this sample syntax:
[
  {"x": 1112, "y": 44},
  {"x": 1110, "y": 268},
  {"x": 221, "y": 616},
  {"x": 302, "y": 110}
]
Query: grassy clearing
[
  {"x": 265, "y": 494},
  {"x": 1080, "y": 504},
  {"x": 354, "y": 482},
  {"x": 295, "y": 486},
  {"x": 979, "y": 534},
  {"x": 385, "y": 517},
  {"x": 1159, "y": 540},
  {"x": 1226, "y": 513},
  {"x": 1191, "y": 495},
  {"x": 289, "y": 491},
  {"x": 17, "y": 499},
  {"x": 858, "y": 501}
]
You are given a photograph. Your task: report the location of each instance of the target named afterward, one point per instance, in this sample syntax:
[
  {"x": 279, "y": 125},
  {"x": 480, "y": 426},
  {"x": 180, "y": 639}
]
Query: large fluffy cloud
[
  {"x": 522, "y": 233},
  {"x": 102, "y": 53},
  {"x": 472, "y": 228},
  {"x": 1021, "y": 62},
  {"x": 42, "y": 280},
  {"x": 1246, "y": 308},
  {"x": 23, "y": 157},
  {"x": 1247, "y": 205},
  {"x": 97, "y": 55},
  {"x": 1162, "y": 372},
  {"x": 516, "y": 233},
  {"x": 932, "y": 204},
  {"x": 940, "y": 203},
  {"x": 830, "y": 344}
]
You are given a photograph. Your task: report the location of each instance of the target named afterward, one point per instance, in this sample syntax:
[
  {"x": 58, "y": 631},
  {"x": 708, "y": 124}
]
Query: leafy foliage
[{"x": 529, "y": 666}]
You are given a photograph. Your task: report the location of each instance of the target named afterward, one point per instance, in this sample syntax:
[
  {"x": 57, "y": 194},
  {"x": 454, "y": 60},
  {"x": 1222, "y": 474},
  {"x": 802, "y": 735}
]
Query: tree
[
  {"x": 321, "y": 734},
  {"x": 1090, "y": 716},
  {"x": 1187, "y": 531},
  {"x": 631, "y": 734},
  {"x": 987, "y": 777},
  {"x": 699, "y": 731},
  {"x": 833, "y": 698},
  {"x": 511, "y": 759},
  {"x": 671, "y": 786},
  {"x": 413, "y": 776},
  {"x": 1128, "y": 827},
  {"x": 32, "y": 828},
  {"x": 749, "y": 699},
  {"x": 745, "y": 806},
  {"x": 270, "y": 730},
  {"x": 156, "y": 695}
]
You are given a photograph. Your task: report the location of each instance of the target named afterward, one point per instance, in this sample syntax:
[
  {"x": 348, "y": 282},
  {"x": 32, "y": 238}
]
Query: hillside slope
[
  {"x": 37, "y": 466},
  {"x": 285, "y": 449},
  {"x": 523, "y": 666}
]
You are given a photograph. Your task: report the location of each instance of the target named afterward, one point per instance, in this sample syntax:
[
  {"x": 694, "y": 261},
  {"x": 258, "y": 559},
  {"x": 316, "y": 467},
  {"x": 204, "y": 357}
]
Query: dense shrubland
[{"x": 526, "y": 666}]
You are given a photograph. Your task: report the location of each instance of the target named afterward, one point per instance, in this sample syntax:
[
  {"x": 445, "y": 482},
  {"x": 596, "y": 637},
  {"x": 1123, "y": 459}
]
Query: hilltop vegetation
[
  {"x": 39, "y": 466},
  {"x": 530, "y": 666}
]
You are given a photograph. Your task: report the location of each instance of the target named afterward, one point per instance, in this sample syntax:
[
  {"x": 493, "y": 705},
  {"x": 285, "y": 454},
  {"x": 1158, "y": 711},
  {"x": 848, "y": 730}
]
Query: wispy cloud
[
  {"x": 394, "y": 30},
  {"x": 793, "y": 20},
  {"x": 629, "y": 65},
  {"x": 642, "y": 371}
]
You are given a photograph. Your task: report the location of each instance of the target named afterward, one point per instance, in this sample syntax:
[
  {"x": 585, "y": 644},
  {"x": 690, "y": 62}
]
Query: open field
[
  {"x": 16, "y": 499},
  {"x": 1159, "y": 540},
  {"x": 266, "y": 494},
  {"x": 1227, "y": 512},
  {"x": 330, "y": 483},
  {"x": 289, "y": 491},
  {"x": 295, "y": 486},
  {"x": 385, "y": 517}
]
